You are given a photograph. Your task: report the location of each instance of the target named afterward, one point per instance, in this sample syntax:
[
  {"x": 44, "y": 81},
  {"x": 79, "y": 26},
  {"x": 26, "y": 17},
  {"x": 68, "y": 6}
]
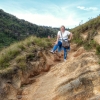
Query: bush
[
  {"x": 78, "y": 41},
  {"x": 77, "y": 38},
  {"x": 98, "y": 50},
  {"x": 89, "y": 45},
  {"x": 8, "y": 54},
  {"x": 42, "y": 42},
  {"x": 22, "y": 65},
  {"x": 20, "y": 58}
]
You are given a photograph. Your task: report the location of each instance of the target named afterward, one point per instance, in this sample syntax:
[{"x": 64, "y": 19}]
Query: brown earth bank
[{"x": 50, "y": 78}]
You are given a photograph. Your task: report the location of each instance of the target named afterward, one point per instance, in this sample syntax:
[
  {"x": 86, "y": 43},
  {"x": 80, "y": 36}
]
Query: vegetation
[
  {"x": 91, "y": 29},
  {"x": 22, "y": 51},
  {"x": 13, "y": 29},
  {"x": 93, "y": 24},
  {"x": 98, "y": 50}
]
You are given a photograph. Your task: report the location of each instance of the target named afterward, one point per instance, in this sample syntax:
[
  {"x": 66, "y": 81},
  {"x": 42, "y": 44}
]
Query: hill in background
[
  {"x": 88, "y": 35},
  {"x": 86, "y": 32},
  {"x": 13, "y": 29}
]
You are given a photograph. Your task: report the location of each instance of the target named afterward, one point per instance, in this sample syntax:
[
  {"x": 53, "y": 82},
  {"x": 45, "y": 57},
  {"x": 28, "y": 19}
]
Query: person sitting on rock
[{"x": 65, "y": 35}]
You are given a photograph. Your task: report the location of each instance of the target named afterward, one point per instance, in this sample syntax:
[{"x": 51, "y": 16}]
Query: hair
[{"x": 62, "y": 26}]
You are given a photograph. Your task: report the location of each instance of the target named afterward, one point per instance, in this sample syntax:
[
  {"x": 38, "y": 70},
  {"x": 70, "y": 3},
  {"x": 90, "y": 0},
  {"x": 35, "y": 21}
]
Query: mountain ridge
[{"x": 13, "y": 29}]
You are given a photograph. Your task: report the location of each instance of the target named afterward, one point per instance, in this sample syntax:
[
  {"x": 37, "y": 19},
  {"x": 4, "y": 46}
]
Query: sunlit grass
[{"x": 11, "y": 52}]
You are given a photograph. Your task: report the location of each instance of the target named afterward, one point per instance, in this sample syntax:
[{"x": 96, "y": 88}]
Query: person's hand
[{"x": 69, "y": 40}]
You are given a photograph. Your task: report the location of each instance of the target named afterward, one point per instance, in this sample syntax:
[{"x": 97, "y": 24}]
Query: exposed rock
[
  {"x": 70, "y": 80},
  {"x": 76, "y": 79},
  {"x": 84, "y": 36},
  {"x": 97, "y": 38},
  {"x": 79, "y": 52},
  {"x": 12, "y": 82}
]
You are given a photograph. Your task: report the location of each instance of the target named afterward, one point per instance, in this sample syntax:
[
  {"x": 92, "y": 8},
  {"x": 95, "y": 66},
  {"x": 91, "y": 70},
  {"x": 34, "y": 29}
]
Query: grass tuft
[{"x": 14, "y": 51}]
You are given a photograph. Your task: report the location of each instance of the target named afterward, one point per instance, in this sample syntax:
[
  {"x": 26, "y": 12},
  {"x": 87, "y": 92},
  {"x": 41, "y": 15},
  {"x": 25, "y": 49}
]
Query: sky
[{"x": 53, "y": 13}]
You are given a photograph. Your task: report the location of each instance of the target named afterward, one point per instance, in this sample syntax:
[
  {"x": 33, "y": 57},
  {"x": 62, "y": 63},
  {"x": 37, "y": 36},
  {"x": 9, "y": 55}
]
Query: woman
[{"x": 65, "y": 35}]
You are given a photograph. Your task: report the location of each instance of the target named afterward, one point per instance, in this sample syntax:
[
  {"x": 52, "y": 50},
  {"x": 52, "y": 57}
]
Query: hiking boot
[
  {"x": 65, "y": 60},
  {"x": 51, "y": 51}
]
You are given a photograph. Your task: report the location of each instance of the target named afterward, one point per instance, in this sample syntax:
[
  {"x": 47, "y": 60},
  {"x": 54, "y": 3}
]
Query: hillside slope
[
  {"x": 92, "y": 24},
  {"x": 13, "y": 29},
  {"x": 22, "y": 61},
  {"x": 87, "y": 32},
  {"x": 75, "y": 79}
]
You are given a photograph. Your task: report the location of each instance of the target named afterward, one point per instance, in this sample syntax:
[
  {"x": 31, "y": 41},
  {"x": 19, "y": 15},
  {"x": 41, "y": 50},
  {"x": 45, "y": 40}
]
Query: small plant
[
  {"x": 30, "y": 56},
  {"x": 20, "y": 58},
  {"x": 42, "y": 42},
  {"x": 7, "y": 55},
  {"x": 21, "y": 46},
  {"x": 77, "y": 39},
  {"x": 89, "y": 45},
  {"x": 98, "y": 50},
  {"x": 22, "y": 65}
]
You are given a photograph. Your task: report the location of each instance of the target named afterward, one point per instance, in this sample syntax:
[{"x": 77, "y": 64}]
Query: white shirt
[{"x": 64, "y": 35}]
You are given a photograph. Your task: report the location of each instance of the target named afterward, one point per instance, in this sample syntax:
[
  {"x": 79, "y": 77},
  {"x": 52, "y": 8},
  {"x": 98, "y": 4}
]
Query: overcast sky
[{"x": 53, "y": 13}]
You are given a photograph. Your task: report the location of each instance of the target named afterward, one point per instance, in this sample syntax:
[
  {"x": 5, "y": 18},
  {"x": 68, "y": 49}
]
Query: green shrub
[
  {"x": 98, "y": 50},
  {"x": 42, "y": 42},
  {"x": 22, "y": 65},
  {"x": 20, "y": 58},
  {"x": 77, "y": 38},
  {"x": 89, "y": 45},
  {"x": 7, "y": 55},
  {"x": 78, "y": 41},
  {"x": 21, "y": 46},
  {"x": 30, "y": 56}
]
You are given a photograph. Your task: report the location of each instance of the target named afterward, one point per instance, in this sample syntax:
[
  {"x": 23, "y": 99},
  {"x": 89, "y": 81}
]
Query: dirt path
[
  {"x": 43, "y": 88},
  {"x": 44, "y": 85},
  {"x": 75, "y": 79}
]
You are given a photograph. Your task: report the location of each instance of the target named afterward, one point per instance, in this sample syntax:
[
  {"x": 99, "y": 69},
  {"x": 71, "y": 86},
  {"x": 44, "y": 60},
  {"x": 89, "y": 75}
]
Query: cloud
[
  {"x": 48, "y": 19},
  {"x": 48, "y": 15},
  {"x": 87, "y": 8}
]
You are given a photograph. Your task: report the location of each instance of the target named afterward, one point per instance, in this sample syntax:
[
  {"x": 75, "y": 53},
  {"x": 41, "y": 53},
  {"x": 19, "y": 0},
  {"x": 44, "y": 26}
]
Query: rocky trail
[{"x": 78, "y": 78}]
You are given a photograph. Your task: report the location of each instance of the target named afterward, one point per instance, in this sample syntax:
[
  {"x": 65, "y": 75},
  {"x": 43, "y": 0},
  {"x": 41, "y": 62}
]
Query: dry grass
[{"x": 13, "y": 51}]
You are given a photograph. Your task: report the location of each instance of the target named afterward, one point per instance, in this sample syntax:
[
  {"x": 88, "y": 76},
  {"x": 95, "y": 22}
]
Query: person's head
[{"x": 62, "y": 28}]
